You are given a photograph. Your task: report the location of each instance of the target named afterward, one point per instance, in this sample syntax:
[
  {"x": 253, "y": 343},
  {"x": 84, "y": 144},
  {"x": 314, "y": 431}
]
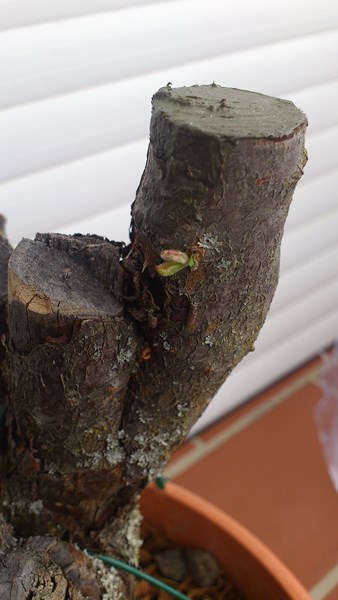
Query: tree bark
[
  {"x": 115, "y": 351},
  {"x": 43, "y": 567},
  {"x": 71, "y": 356},
  {"x": 221, "y": 170}
]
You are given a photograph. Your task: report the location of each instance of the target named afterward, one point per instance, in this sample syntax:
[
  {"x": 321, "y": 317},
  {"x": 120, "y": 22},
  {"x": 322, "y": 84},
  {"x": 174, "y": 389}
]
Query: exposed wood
[{"x": 44, "y": 567}]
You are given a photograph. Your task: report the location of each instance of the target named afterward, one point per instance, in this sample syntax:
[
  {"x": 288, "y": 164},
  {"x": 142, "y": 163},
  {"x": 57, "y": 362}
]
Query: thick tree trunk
[
  {"x": 71, "y": 356},
  {"x": 221, "y": 170},
  {"x": 115, "y": 351}
]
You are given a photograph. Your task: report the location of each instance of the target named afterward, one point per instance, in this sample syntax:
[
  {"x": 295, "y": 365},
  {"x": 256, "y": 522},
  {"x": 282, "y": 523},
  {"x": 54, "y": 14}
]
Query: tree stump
[{"x": 115, "y": 350}]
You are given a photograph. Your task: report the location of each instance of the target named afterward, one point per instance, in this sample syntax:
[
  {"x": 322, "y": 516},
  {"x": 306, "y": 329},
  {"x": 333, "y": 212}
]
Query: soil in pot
[{"x": 192, "y": 571}]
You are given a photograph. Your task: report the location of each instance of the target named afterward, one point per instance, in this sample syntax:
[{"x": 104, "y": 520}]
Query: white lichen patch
[
  {"x": 210, "y": 340},
  {"x": 224, "y": 264},
  {"x": 182, "y": 408},
  {"x": 91, "y": 461},
  {"x": 133, "y": 533},
  {"x": 128, "y": 534},
  {"x": 152, "y": 451},
  {"x": 96, "y": 353},
  {"x": 109, "y": 579},
  {"x": 114, "y": 452},
  {"x": 144, "y": 417},
  {"x": 35, "y": 508},
  {"x": 163, "y": 340},
  {"x": 125, "y": 355},
  {"x": 52, "y": 468},
  {"x": 149, "y": 463},
  {"x": 24, "y": 505},
  {"x": 210, "y": 242}
]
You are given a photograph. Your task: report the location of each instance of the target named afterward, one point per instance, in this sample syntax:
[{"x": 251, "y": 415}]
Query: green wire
[
  {"x": 160, "y": 481},
  {"x": 137, "y": 573}
]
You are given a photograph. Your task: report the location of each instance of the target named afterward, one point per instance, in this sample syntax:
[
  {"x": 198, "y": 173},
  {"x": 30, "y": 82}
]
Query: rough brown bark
[
  {"x": 110, "y": 361},
  {"x": 43, "y": 567},
  {"x": 70, "y": 356},
  {"x": 221, "y": 169}
]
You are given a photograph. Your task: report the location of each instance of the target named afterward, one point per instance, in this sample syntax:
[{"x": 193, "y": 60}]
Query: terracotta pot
[{"x": 191, "y": 521}]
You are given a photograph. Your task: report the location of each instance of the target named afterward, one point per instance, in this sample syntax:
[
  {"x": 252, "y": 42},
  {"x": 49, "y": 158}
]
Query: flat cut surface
[
  {"x": 229, "y": 112},
  {"x": 57, "y": 284}
]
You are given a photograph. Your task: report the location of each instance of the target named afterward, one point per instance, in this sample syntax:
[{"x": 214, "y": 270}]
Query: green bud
[
  {"x": 175, "y": 256},
  {"x": 169, "y": 268}
]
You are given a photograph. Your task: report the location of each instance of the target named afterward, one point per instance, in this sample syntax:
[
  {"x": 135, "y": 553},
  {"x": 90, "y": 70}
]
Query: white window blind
[{"x": 76, "y": 81}]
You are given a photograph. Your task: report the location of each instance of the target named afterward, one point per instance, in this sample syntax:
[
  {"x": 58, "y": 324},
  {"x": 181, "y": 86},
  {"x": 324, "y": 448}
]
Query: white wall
[{"x": 76, "y": 79}]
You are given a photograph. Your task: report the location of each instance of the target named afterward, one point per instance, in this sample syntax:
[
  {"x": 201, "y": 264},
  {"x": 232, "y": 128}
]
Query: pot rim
[{"x": 248, "y": 542}]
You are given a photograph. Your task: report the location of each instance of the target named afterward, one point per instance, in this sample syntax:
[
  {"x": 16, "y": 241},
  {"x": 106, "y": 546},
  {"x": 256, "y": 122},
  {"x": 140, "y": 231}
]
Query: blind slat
[
  {"x": 54, "y": 198},
  {"x": 22, "y": 13},
  {"x": 113, "y": 224},
  {"x": 251, "y": 376},
  {"x": 322, "y": 151},
  {"x": 311, "y": 98},
  {"x": 317, "y": 196},
  {"x": 301, "y": 280},
  {"x": 41, "y": 135},
  {"x": 298, "y": 315},
  {"x": 61, "y": 57},
  {"x": 310, "y": 239}
]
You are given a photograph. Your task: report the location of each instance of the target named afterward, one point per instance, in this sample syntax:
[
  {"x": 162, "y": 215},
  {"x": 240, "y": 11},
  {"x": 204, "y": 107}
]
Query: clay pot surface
[{"x": 191, "y": 521}]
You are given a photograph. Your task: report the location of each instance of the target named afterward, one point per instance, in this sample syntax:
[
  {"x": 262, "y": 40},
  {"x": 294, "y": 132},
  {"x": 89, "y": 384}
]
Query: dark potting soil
[{"x": 194, "y": 572}]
